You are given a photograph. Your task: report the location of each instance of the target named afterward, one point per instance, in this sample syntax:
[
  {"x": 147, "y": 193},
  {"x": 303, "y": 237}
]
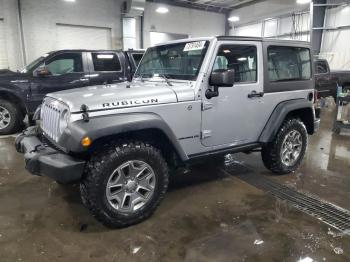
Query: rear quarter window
[{"x": 288, "y": 63}]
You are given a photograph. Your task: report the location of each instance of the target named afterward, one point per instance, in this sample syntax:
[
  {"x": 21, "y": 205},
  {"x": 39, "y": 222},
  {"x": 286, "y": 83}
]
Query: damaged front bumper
[{"x": 43, "y": 160}]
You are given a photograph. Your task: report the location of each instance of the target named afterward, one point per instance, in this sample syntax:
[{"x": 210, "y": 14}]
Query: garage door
[
  {"x": 3, "y": 50},
  {"x": 76, "y": 37}
]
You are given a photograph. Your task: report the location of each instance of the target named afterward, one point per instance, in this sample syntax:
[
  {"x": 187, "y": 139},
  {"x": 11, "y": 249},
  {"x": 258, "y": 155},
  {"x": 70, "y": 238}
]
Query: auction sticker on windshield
[{"x": 199, "y": 45}]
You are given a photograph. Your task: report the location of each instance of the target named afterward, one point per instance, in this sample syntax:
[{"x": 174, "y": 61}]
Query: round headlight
[{"x": 64, "y": 120}]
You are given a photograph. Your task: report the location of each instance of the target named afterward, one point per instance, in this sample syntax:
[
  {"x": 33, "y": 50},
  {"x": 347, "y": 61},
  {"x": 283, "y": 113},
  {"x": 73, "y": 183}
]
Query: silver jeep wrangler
[{"x": 189, "y": 99}]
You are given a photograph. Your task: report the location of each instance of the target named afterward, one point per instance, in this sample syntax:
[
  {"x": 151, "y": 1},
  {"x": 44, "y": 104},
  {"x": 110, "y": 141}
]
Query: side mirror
[
  {"x": 41, "y": 72},
  {"x": 220, "y": 78}
]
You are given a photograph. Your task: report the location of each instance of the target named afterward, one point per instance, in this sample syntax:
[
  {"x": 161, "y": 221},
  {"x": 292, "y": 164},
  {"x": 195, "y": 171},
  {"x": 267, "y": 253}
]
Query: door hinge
[
  {"x": 205, "y": 134},
  {"x": 206, "y": 105}
]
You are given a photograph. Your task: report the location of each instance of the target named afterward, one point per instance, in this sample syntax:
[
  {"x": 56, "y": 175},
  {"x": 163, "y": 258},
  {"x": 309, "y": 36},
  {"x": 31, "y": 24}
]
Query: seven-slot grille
[{"x": 50, "y": 114}]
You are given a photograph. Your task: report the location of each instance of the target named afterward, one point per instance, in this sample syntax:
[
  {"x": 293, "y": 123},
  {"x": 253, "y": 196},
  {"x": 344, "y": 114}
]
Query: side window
[
  {"x": 65, "y": 63},
  {"x": 137, "y": 58},
  {"x": 288, "y": 63},
  {"x": 241, "y": 58},
  {"x": 321, "y": 67},
  {"x": 106, "y": 62}
]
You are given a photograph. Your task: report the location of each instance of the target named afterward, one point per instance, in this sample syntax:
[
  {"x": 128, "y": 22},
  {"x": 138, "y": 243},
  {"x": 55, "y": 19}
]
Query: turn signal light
[{"x": 86, "y": 141}]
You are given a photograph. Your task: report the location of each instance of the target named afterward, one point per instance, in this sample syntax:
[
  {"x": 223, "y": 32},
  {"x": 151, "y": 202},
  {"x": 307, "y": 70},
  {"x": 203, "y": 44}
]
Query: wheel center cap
[{"x": 131, "y": 185}]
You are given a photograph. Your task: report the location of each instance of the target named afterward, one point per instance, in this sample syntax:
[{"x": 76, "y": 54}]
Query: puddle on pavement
[
  {"x": 246, "y": 242},
  {"x": 234, "y": 242}
]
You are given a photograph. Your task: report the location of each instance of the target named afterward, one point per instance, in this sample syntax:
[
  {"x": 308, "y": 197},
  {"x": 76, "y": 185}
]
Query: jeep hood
[{"x": 123, "y": 95}]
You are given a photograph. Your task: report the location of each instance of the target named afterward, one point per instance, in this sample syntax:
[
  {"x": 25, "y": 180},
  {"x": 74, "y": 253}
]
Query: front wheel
[
  {"x": 285, "y": 153},
  {"x": 124, "y": 183},
  {"x": 10, "y": 118}
]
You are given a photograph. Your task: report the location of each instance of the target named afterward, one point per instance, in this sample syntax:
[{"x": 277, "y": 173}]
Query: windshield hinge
[
  {"x": 206, "y": 105},
  {"x": 85, "y": 112},
  {"x": 205, "y": 134}
]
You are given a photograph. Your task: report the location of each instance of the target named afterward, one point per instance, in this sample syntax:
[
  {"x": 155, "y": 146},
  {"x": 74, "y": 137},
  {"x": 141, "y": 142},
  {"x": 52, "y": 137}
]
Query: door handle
[
  {"x": 91, "y": 75},
  {"x": 84, "y": 79},
  {"x": 255, "y": 94}
]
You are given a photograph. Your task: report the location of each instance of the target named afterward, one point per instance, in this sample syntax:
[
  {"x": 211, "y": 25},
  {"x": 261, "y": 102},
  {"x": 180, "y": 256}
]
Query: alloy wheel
[
  {"x": 291, "y": 148},
  {"x": 130, "y": 186},
  {"x": 5, "y": 117}
]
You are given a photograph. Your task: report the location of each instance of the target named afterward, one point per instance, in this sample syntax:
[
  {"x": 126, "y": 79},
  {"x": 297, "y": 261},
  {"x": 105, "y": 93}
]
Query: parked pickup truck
[
  {"x": 326, "y": 81},
  {"x": 23, "y": 91},
  {"x": 189, "y": 100}
]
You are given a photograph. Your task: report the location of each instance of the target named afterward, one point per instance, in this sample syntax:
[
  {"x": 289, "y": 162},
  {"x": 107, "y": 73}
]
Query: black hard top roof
[
  {"x": 97, "y": 50},
  {"x": 262, "y": 39}
]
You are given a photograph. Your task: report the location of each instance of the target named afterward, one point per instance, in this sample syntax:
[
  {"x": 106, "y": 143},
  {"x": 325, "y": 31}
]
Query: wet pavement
[{"x": 209, "y": 214}]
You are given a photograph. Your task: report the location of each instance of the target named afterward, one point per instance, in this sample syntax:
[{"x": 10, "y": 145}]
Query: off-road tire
[
  {"x": 271, "y": 152},
  {"x": 100, "y": 167},
  {"x": 16, "y": 118}
]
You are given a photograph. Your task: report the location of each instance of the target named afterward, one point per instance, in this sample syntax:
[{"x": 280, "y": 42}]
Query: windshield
[
  {"x": 31, "y": 66},
  {"x": 175, "y": 61}
]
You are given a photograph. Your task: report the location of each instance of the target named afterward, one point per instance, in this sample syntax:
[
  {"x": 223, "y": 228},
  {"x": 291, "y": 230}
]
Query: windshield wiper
[
  {"x": 166, "y": 79},
  {"x": 140, "y": 76}
]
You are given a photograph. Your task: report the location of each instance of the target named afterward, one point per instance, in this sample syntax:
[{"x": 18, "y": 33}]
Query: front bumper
[{"x": 43, "y": 160}]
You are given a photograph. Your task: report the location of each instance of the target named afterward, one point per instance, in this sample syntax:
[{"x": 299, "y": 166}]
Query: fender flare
[
  {"x": 15, "y": 95},
  {"x": 278, "y": 116},
  {"x": 109, "y": 125}
]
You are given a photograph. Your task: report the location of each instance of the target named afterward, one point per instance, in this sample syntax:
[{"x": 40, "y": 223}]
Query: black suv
[{"x": 23, "y": 91}]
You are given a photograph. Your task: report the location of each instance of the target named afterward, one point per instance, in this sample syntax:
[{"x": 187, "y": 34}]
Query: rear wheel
[
  {"x": 285, "y": 153},
  {"x": 10, "y": 118},
  {"x": 124, "y": 183}
]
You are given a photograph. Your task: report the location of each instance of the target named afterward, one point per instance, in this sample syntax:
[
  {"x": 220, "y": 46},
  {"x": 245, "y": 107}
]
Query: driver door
[
  {"x": 65, "y": 71},
  {"x": 234, "y": 116}
]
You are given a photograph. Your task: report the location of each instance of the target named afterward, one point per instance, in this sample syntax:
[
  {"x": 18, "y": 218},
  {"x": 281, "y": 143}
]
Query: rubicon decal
[{"x": 131, "y": 102}]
